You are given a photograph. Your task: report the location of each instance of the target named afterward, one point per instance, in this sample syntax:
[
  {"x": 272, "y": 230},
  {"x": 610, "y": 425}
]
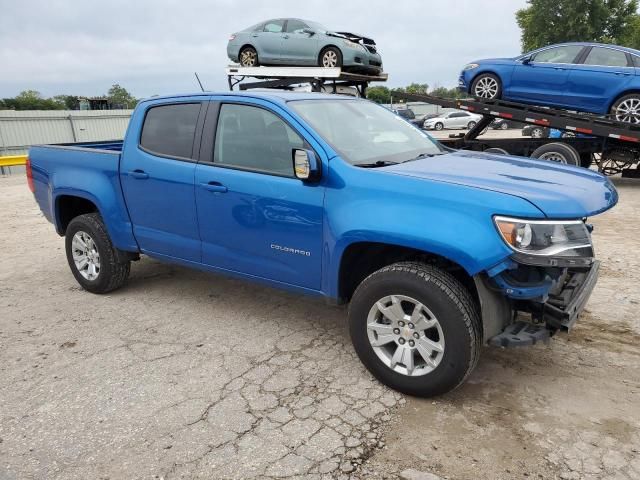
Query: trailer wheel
[
  {"x": 496, "y": 151},
  {"x": 438, "y": 126},
  {"x": 486, "y": 86},
  {"x": 537, "y": 132},
  {"x": 557, "y": 152}
]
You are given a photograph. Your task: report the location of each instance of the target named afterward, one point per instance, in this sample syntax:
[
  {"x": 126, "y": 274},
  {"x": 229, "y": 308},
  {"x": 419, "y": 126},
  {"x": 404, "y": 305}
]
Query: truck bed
[{"x": 111, "y": 145}]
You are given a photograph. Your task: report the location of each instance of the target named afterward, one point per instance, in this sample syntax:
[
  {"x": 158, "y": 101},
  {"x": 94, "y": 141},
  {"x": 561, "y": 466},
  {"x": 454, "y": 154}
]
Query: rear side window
[
  {"x": 295, "y": 26},
  {"x": 169, "y": 130},
  {"x": 253, "y": 138},
  {"x": 564, "y": 54},
  {"x": 606, "y": 57},
  {"x": 274, "y": 26}
]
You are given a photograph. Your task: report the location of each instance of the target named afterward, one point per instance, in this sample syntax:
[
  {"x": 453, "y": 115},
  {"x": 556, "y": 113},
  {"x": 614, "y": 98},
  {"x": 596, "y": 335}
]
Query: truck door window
[
  {"x": 253, "y": 138},
  {"x": 169, "y": 130}
]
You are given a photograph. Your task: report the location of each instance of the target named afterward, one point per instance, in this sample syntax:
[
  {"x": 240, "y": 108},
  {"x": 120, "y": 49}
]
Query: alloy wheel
[
  {"x": 486, "y": 87},
  {"x": 628, "y": 110},
  {"x": 405, "y": 335},
  {"x": 85, "y": 255}
]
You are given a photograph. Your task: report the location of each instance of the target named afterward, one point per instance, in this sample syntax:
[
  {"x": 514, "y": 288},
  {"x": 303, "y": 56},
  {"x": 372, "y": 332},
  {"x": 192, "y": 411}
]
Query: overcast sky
[{"x": 154, "y": 46}]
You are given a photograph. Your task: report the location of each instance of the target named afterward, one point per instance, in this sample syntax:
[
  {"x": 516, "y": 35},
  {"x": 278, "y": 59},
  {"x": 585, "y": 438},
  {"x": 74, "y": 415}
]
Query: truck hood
[{"x": 559, "y": 191}]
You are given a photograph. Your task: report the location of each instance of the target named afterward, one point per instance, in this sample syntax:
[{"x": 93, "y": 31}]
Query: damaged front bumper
[{"x": 552, "y": 298}]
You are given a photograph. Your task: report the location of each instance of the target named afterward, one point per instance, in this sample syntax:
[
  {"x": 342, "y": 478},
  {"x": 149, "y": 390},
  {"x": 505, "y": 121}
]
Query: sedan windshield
[{"x": 365, "y": 133}]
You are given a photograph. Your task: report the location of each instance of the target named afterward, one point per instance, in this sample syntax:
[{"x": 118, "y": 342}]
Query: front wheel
[
  {"x": 416, "y": 328},
  {"x": 330, "y": 57},
  {"x": 487, "y": 86},
  {"x": 93, "y": 259},
  {"x": 471, "y": 124},
  {"x": 438, "y": 126}
]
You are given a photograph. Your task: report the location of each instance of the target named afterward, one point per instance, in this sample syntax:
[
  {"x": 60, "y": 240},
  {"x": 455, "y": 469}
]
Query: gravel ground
[{"x": 186, "y": 375}]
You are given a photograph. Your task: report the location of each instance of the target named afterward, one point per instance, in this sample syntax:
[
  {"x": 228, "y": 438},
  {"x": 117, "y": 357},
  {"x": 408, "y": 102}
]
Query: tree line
[{"x": 116, "y": 97}]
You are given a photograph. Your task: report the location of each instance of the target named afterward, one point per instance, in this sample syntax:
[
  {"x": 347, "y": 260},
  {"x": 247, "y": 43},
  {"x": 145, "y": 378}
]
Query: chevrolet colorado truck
[{"x": 437, "y": 252}]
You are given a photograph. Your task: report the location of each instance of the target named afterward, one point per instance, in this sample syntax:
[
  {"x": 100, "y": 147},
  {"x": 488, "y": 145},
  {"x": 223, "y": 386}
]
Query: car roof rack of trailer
[
  {"x": 320, "y": 78},
  {"x": 576, "y": 122}
]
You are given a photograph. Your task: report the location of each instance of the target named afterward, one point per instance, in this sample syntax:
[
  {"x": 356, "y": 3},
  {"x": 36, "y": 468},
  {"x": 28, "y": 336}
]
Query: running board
[{"x": 521, "y": 334}]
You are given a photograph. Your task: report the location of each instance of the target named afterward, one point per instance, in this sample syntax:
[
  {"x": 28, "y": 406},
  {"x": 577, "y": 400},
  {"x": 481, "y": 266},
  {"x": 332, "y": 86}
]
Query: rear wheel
[
  {"x": 416, "y": 328},
  {"x": 471, "y": 124},
  {"x": 486, "y": 86},
  {"x": 557, "y": 152},
  {"x": 330, "y": 57},
  {"x": 627, "y": 108},
  {"x": 93, "y": 259},
  {"x": 504, "y": 126},
  {"x": 248, "y": 57}
]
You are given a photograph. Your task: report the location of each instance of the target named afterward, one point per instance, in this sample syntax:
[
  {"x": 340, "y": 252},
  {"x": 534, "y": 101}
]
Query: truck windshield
[{"x": 365, "y": 133}]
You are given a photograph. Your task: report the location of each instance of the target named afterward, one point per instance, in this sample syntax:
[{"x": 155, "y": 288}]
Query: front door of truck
[
  {"x": 156, "y": 172},
  {"x": 255, "y": 217}
]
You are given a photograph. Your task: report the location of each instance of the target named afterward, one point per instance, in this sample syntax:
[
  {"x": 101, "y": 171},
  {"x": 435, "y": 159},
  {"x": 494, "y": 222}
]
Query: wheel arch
[
  {"x": 324, "y": 47},
  {"x": 361, "y": 258},
  {"x": 68, "y": 206},
  {"x": 620, "y": 95}
]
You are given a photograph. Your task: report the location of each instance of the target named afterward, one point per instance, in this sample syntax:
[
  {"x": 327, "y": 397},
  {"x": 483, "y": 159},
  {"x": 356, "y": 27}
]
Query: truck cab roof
[{"x": 273, "y": 96}]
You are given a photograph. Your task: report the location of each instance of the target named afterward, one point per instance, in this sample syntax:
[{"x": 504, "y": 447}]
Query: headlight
[
  {"x": 351, "y": 44},
  {"x": 563, "y": 241},
  {"x": 471, "y": 66}
]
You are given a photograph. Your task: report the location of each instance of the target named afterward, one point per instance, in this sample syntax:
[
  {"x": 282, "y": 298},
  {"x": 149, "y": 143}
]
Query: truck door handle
[
  {"x": 139, "y": 174},
  {"x": 622, "y": 73},
  {"x": 214, "y": 187},
  {"x": 559, "y": 68}
]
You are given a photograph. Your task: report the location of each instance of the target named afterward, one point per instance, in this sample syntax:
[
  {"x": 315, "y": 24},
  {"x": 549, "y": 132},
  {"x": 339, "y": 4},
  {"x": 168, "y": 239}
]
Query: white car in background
[{"x": 457, "y": 119}]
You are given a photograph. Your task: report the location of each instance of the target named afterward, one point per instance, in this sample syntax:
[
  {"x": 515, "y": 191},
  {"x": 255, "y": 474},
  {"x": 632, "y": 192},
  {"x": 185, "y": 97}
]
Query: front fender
[{"x": 449, "y": 220}]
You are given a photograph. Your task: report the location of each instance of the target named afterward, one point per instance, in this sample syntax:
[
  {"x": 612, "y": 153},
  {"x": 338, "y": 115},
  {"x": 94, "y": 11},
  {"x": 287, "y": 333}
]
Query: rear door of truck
[{"x": 157, "y": 176}]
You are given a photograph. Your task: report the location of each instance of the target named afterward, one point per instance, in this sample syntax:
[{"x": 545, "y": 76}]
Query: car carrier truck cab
[{"x": 434, "y": 250}]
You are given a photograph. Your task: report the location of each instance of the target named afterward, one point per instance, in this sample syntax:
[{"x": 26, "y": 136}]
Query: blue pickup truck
[{"x": 437, "y": 252}]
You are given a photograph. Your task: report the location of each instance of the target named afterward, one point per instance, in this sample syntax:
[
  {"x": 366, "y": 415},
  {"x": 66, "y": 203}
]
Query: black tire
[
  {"x": 487, "y": 95},
  {"x": 337, "y": 54},
  {"x": 539, "y": 132},
  {"x": 438, "y": 126},
  {"x": 113, "y": 272},
  {"x": 557, "y": 152},
  {"x": 448, "y": 300},
  {"x": 632, "y": 118},
  {"x": 471, "y": 124},
  {"x": 496, "y": 151},
  {"x": 248, "y": 57}
]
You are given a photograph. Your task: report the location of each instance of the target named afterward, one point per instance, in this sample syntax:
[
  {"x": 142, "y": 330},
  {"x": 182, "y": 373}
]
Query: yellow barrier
[{"x": 13, "y": 160}]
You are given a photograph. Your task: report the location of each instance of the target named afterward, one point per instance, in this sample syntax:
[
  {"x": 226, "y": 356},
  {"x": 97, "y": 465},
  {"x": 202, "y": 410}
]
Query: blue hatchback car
[{"x": 589, "y": 77}]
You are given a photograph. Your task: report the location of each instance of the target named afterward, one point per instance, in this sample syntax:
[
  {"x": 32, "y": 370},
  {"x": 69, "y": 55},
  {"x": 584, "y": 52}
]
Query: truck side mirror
[
  {"x": 526, "y": 60},
  {"x": 306, "y": 165}
]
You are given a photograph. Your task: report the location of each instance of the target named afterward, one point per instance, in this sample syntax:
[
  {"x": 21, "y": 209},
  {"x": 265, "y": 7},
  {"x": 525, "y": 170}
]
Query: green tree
[
  {"x": 31, "y": 100},
  {"x": 544, "y": 22},
  {"x": 379, "y": 94},
  {"x": 417, "y": 88},
  {"x": 444, "y": 92},
  {"x": 69, "y": 102},
  {"x": 119, "y": 96}
]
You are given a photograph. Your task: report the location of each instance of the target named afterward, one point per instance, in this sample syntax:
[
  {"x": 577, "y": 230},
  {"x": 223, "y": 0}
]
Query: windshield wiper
[
  {"x": 379, "y": 163},
  {"x": 425, "y": 155}
]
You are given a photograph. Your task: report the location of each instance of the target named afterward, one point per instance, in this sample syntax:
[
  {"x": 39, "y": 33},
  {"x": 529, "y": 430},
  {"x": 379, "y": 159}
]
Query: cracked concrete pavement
[{"x": 182, "y": 374}]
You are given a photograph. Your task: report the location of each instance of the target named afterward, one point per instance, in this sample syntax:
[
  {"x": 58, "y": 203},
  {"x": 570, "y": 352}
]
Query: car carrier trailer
[
  {"x": 613, "y": 145},
  {"x": 320, "y": 79}
]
